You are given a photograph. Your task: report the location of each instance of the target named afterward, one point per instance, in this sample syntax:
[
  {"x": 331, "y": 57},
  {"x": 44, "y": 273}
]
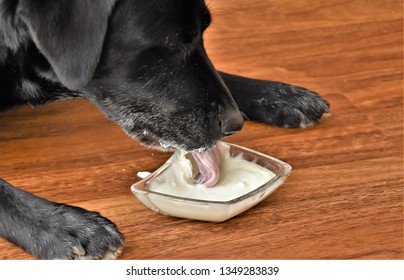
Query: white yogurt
[
  {"x": 173, "y": 193},
  {"x": 237, "y": 177}
]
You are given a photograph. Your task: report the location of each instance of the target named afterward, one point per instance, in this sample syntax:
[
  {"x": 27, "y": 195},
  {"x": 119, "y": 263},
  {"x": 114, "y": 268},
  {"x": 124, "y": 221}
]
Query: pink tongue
[{"x": 208, "y": 163}]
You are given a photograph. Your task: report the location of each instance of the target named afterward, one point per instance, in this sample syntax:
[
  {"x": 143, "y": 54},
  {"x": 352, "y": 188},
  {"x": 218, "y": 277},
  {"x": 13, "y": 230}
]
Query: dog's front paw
[
  {"x": 285, "y": 105},
  {"x": 75, "y": 233}
]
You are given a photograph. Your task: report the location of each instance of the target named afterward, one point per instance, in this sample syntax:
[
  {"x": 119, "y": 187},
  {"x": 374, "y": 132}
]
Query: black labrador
[{"x": 143, "y": 64}]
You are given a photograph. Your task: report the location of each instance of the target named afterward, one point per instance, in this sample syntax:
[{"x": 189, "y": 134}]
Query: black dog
[{"x": 143, "y": 64}]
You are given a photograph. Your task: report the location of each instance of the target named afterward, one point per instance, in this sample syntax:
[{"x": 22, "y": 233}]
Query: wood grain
[{"x": 344, "y": 199}]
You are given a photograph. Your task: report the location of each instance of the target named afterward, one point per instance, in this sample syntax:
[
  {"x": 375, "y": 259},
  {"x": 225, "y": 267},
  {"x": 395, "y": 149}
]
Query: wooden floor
[{"x": 344, "y": 199}]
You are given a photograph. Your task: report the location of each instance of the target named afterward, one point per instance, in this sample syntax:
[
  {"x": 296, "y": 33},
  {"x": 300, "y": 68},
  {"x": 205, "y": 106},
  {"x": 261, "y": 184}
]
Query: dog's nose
[{"x": 231, "y": 122}]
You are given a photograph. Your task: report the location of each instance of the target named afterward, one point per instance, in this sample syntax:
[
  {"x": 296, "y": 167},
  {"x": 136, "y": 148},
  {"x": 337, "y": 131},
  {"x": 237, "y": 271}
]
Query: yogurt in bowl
[{"x": 246, "y": 178}]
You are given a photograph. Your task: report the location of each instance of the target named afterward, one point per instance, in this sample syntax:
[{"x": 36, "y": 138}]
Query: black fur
[
  {"x": 55, "y": 231},
  {"x": 143, "y": 64}
]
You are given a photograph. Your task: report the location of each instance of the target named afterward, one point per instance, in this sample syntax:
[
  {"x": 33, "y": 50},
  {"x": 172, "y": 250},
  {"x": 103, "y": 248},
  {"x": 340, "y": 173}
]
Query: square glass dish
[{"x": 212, "y": 210}]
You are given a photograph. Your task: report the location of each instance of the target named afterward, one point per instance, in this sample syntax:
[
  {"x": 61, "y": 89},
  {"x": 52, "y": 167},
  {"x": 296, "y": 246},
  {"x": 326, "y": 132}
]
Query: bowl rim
[{"x": 286, "y": 170}]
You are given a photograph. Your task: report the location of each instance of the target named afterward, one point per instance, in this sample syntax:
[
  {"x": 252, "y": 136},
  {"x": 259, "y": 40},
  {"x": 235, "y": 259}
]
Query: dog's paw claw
[{"x": 78, "y": 251}]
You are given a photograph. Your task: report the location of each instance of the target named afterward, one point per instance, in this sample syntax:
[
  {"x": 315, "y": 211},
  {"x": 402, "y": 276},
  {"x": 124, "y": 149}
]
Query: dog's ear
[
  {"x": 69, "y": 33},
  {"x": 13, "y": 33}
]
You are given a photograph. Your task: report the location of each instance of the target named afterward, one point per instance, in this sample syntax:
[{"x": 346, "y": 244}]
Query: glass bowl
[{"x": 211, "y": 210}]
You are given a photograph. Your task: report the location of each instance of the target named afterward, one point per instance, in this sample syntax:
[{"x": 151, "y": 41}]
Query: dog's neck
[{"x": 26, "y": 78}]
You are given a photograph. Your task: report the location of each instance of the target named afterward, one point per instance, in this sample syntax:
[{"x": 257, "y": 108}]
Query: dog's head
[{"x": 141, "y": 62}]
